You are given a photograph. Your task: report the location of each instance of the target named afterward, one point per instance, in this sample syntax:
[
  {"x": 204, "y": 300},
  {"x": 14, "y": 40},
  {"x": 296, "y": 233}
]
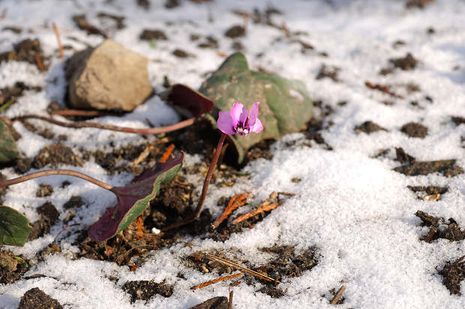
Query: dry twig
[
  {"x": 243, "y": 269},
  {"x": 61, "y": 50},
  {"x": 264, "y": 207},
  {"x": 216, "y": 280},
  {"x": 338, "y": 296}
]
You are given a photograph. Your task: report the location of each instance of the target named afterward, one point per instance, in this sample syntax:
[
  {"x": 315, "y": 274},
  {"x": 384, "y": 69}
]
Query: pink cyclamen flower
[{"x": 239, "y": 121}]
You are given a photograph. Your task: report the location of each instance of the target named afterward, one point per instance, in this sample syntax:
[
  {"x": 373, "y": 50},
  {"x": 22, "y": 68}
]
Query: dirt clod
[
  {"x": 440, "y": 228},
  {"x": 55, "y": 154},
  {"x": 369, "y": 127},
  {"x": 145, "y": 289},
  {"x": 37, "y": 299},
  {"x": 236, "y": 31},
  {"x": 403, "y": 157},
  {"x": 453, "y": 274},
  {"x": 48, "y": 217},
  {"x": 447, "y": 168},
  {"x": 153, "y": 34},
  {"x": 414, "y": 129},
  {"x": 82, "y": 23},
  {"x": 330, "y": 72},
  {"x": 12, "y": 267},
  {"x": 75, "y": 201},
  {"x": 220, "y": 302},
  {"x": 406, "y": 63},
  {"x": 44, "y": 190},
  {"x": 28, "y": 50}
]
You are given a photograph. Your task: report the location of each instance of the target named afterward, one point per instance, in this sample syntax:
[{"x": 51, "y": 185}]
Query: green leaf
[
  {"x": 8, "y": 150},
  {"x": 285, "y": 106},
  {"x": 133, "y": 198},
  {"x": 14, "y": 227}
]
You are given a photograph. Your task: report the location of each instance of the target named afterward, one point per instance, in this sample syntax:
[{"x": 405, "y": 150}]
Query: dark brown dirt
[
  {"x": 54, "y": 155},
  {"x": 118, "y": 20},
  {"x": 28, "y": 50},
  {"x": 418, "y": 4},
  {"x": 428, "y": 193},
  {"x": 440, "y": 228},
  {"x": 330, "y": 72},
  {"x": 36, "y": 299},
  {"x": 220, "y": 302},
  {"x": 75, "y": 201},
  {"x": 286, "y": 262},
  {"x": 447, "y": 168},
  {"x": 82, "y": 23},
  {"x": 235, "y": 32},
  {"x": 414, "y": 129},
  {"x": 153, "y": 34},
  {"x": 209, "y": 42},
  {"x": 180, "y": 53},
  {"x": 9, "y": 95},
  {"x": 44, "y": 132},
  {"x": 48, "y": 217},
  {"x": 403, "y": 157},
  {"x": 145, "y": 289},
  {"x": 171, "y": 4},
  {"x": 453, "y": 274},
  {"x": 458, "y": 120},
  {"x": 44, "y": 190},
  {"x": 12, "y": 267},
  {"x": 368, "y": 127},
  {"x": 406, "y": 63}
]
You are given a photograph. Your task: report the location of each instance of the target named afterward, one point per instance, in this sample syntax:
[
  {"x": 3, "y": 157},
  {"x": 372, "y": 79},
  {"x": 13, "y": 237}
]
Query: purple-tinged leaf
[
  {"x": 133, "y": 198},
  {"x": 188, "y": 102}
]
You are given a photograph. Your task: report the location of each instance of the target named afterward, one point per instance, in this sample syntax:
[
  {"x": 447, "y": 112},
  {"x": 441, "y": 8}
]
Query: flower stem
[
  {"x": 88, "y": 124},
  {"x": 65, "y": 172},
  {"x": 206, "y": 182}
]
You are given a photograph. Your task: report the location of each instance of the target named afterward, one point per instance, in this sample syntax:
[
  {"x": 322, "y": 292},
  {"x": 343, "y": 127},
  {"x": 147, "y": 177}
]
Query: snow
[{"x": 352, "y": 207}]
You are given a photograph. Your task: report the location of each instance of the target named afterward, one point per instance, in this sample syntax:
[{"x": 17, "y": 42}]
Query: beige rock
[{"x": 108, "y": 77}]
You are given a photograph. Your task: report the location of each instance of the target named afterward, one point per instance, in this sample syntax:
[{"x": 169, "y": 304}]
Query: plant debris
[
  {"x": 453, "y": 274},
  {"x": 27, "y": 50},
  {"x": 447, "y": 168},
  {"x": 146, "y": 289},
  {"x": 428, "y": 193},
  {"x": 220, "y": 302},
  {"x": 82, "y": 23},
  {"x": 440, "y": 228},
  {"x": 12, "y": 267}
]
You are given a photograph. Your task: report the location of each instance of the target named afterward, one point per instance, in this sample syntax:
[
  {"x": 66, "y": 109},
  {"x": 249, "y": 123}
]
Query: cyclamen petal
[
  {"x": 257, "y": 127},
  {"x": 225, "y": 123},
  {"x": 236, "y": 112},
  {"x": 253, "y": 114}
]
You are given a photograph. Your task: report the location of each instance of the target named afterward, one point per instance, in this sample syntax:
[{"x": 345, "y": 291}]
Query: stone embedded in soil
[
  {"x": 235, "y": 32},
  {"x": 108, "y": 77},
  {"x": 453, "y": 274},
  {"x": 11, "y": 267},
  {"x": 414, "y": 129},
  {"x": 440, "y": 228},
  {"x": 145, "y": 289},
  {"x": 220, "y": 302},
  {"x": 36, "y": 299},
  {"x": 54, "y": 155},
  {"x": 447, "y": 168},
  {"x": 153, "y": 34},
  {"x": 369, "y": 127}
]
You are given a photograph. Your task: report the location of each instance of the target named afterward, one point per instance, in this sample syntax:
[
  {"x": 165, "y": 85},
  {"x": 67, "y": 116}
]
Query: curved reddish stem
[
  {"x": 14, "y": 181},
  {"x": 88, "y": 124}
]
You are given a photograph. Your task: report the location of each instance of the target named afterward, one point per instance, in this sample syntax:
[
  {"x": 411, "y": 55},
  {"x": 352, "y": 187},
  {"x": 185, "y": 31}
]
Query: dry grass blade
[
  {"x": 236, "y": 201},
  {"x": 216, "y": 280},
  {"x": 56, "y": 30},
  {"x": 265, "y": 207},
  {"x": 338, "y": 297},
  {"x": 143, "y": 155},
  {"x": 239, "y": 267}
]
